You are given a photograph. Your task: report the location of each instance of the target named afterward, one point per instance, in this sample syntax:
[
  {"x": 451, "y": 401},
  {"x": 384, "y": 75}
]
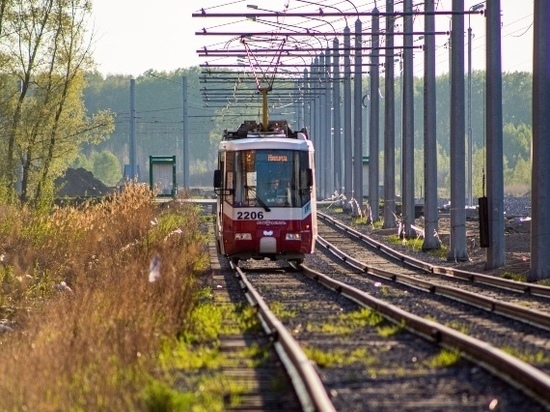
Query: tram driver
[{"x": 274, "y": 189}]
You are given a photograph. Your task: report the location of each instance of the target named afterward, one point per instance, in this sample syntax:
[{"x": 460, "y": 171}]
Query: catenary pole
[
  {"x": 389, "y": 126},
  {"x": 374, "y": 125},
  {"x": 457, "y": 251},
  {"x": 496, "y": 252},
  {"x": 185, "y": 158},
  {"x": 132, "y": 143},
  {"x": 358, "y": 117},
  {"x": 329, "y": 176},
  {"x": 347, "y": 120},
  {"x": 540, "y": 178},
  {"x": 431, "y": 239},
  {"x": 407, "y": 170},
  {"x": 338, "y": 170}
]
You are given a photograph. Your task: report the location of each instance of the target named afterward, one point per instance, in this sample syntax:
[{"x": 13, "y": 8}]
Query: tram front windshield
[{"x": 267, "y": 177}]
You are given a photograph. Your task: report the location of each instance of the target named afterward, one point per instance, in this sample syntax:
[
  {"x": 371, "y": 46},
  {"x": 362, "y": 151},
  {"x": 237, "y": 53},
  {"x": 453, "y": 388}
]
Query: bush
[{"x": 88, "y": 323}]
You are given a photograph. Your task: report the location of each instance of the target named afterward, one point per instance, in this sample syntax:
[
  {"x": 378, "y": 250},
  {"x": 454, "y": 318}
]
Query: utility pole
[
  {"x": 389, "y": 126},
  {"x": 374, "y": 124},
  {"x": 431, "y": 240},
  {"x": 407, "y": 153},
  {"x": 132, "y": 143},
  {"x": 540, "y": 180},
  {"x": 458, "y": 250},
  {"x": 357, "y": 118},
  {"x": 185, "y": 161}
]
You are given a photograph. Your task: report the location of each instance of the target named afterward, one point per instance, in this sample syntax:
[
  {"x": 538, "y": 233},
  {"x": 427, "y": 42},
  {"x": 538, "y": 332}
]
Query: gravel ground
[{"x": 517, "y": 238}]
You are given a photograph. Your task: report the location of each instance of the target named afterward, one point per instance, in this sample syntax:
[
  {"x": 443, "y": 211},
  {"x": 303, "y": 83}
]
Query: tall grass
[{"x": 94, "y": 344}]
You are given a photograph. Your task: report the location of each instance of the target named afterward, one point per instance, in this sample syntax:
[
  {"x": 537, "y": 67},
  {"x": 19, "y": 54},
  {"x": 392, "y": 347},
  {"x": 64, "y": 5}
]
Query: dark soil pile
[{"x": 80, "y": 183}]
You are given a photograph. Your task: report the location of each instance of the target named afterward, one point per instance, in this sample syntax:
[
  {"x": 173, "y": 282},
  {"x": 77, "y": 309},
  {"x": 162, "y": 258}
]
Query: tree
[
  {"x": 45, "y": 119},
  {"x": 517, "y": 143},
  {"x": 106, "y": 167}
]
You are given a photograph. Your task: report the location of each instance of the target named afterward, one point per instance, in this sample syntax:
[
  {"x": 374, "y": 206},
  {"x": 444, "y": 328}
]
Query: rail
[
  {"x": 307, "y": 383},
  {"x": 522, "y": 375}
]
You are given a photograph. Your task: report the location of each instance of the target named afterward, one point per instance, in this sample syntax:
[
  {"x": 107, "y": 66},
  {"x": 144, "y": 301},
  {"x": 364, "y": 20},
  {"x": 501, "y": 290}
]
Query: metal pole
[
  {"x": 307, "y": 102},
  {"x": 185, "y": 158},
  {"x": 470, "y": 171},
  {"x": 347, "y": 120},
  {"x": 374, "y": 125},
  {"x": 431, "y": 239},
  {"x": 338, "y": 182},
  {"x": 389, "y": 127},
  {"x": 496, "y": 252},
  {"x": 321, "y": 147},
  {"x": 540, "y": 180},
  {"x": 329, "y": 177},
  {"x": 458, "y": 250},
  {"x": 132, "y": 148},
  {"x": 358, "y": 118},
  {"x": 470, "y": 150},
  {"x": 407, "y": 173}
]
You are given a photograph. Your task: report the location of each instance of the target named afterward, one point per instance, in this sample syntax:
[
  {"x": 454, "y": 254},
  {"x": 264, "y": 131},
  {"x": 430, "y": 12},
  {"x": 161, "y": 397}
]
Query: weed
[
  {"x": 89, "y": 326},
  {"x": 281, "y": 312},
  {"x": 514, "y": 276},
  {"x": 347, "y": 323},
  {"x": 537, "y": 358},
  {"x": 339, "y": 357},
  {"x": 390, "y": 329},
  {"x": 444, "y": 359}
]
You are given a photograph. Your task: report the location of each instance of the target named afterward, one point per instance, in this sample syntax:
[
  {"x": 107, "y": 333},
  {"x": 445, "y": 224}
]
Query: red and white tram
[{"x": 266, "y": 193}]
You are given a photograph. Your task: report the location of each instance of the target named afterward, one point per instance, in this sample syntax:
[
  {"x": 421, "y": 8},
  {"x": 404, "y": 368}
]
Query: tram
[{"x": 265, "y": 186}]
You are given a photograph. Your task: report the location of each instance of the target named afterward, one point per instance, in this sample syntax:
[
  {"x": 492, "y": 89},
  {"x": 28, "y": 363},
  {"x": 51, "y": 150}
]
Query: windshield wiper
[{"x": 256, "y": 197}]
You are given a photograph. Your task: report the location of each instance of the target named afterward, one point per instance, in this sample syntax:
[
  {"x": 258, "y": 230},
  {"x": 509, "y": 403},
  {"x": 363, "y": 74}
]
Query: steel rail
[
  {"x": 479, "y": 278},
  {"x": 300, "y": 367},
  {"x": 524, "y": 376},
  {"x": 528, "y": 316}
]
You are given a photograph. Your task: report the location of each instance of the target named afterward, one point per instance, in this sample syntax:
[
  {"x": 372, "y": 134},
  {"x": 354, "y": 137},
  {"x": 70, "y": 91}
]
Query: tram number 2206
[{"x": 250, "y": 215}]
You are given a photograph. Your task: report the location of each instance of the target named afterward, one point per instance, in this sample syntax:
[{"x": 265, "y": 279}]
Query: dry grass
[{"x": 95, "y": 347}]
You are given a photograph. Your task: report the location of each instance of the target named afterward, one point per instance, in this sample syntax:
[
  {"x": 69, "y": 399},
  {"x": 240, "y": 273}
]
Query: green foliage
[
  {"x": 517, "y": 143},
  {"x": 44, "y": 119},
  {"x": 536, "y": 358},
  {"x": 391, "y": 329},
  {"x": 347, "y": 323},
  {"x": 106, "y": 167},
  {"x": 444, "y": 359},
  {"x": 114, "y": 339},
  {"x": 205, "y": 393},
  {"x": 339, "y": 357},
  {"x": 514, "y": 276}
]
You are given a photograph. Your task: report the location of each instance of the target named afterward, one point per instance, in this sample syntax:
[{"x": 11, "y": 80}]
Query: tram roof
[
  {"x": 255, "y": 142},
  {"x": 274, "y": 129}
]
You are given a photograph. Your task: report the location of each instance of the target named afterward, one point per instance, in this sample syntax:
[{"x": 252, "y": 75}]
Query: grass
[
  {"x": 339, "y": 357},
  {"x": 193, "y": 362},
  {"x": 536, "y": 358},
  {"x": 514, "y": 276},
  {"x": 347, "y": 323},
  {"x": 97, "y": 345},
  {"x": 444, "y": 359}
]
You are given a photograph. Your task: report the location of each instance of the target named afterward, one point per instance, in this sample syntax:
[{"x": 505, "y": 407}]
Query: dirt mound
[{"x": 80, "y": 182}]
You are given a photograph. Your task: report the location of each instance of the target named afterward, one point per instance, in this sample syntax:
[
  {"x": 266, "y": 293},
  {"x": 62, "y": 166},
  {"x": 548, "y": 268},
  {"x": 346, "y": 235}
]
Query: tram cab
[{"x": 265, "y": 188}]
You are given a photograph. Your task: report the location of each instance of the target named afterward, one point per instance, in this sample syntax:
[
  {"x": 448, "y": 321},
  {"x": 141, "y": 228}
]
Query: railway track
[
  {"x": 517, "y": 300},
  {"x": 266, "y": 383},
  {"x": 373, "y": 371}
]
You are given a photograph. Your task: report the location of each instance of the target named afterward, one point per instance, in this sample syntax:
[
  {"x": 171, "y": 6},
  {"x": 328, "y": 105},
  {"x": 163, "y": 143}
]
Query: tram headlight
[
  {"x": 243, "y": 236},
  {"x": 293, "y": 236}
]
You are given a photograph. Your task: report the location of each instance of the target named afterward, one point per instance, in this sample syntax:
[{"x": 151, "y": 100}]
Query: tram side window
[
  {"x": 243, "y": 177},
  {"x": 229, "y": 177}
]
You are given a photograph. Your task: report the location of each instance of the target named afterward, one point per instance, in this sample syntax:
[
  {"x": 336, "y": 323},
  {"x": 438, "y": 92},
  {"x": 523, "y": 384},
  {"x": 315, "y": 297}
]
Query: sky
[{"x": 133, "y": 36}]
